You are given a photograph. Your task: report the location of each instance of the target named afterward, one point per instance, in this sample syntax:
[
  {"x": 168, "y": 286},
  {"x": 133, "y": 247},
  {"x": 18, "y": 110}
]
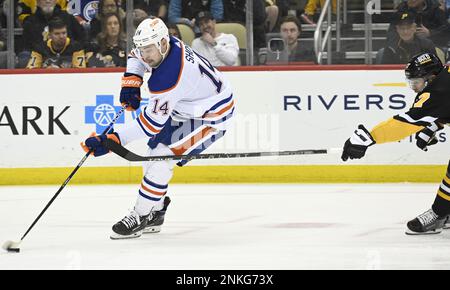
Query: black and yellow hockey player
[
  {"x": 59, "y": 51},
  {"x": 430, "y": 79}
]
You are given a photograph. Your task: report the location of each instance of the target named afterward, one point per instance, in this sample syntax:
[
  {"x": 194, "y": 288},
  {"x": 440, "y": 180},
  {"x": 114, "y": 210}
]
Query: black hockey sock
[{"x": 441, "y": 205}]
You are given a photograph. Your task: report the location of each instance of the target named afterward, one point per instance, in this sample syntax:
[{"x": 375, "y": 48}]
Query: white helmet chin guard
[{"x": 151, "y": 31}]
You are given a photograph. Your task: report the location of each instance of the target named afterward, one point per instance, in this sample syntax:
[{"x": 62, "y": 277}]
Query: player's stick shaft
[
  {"x": 130, "y": 156},
  {"x": 72, "y": 174}
]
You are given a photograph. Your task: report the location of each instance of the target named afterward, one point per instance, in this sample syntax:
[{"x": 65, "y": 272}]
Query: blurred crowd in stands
[{"x": 93, "y": 33}]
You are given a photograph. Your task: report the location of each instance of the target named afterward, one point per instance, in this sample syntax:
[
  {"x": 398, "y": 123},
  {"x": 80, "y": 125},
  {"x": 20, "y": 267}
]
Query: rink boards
[{"x": 44, "y": 117}]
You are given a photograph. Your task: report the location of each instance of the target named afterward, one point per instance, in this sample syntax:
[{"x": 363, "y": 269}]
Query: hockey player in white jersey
[{"x": 190, "y": 107}]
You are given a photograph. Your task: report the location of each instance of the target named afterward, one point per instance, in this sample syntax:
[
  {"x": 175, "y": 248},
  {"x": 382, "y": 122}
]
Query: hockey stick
[
  {"x": 130, "y": 156},
  {"x": 11, "y": 246}
]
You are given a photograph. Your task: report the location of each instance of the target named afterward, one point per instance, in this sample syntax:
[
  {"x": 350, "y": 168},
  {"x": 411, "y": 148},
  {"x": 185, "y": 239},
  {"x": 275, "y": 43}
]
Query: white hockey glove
[
  {"x": 355, "y": 147},
  {"x": 427, "y": 136}
]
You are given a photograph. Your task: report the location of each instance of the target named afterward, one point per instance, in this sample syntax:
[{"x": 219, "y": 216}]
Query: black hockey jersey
[
  {"x": 71, "y": 56},
  {"x": 432, "y": 105}
]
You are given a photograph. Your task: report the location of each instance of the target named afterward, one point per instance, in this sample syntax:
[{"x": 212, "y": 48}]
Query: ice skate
[
  {"x": 447, "y": 223},
  {"x": 131, "y": 226},
  {"x": 156, "y": 218},
  {"x": 427, "y": 223}
]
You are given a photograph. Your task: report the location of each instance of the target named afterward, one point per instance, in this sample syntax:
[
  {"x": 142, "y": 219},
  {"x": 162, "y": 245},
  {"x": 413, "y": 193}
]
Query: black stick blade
[{"x": 11, "y": 246}]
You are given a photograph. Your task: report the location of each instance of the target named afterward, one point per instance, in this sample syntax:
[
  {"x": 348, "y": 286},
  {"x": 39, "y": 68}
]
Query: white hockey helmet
[{"x": 151, "y": 31}]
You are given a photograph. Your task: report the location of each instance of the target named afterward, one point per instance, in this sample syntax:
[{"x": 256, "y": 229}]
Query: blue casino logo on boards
[{"x": 102, "y": 113}]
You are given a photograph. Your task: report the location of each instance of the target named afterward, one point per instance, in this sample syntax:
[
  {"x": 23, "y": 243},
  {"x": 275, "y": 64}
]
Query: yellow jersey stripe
[{"x": 393, "y": 130}]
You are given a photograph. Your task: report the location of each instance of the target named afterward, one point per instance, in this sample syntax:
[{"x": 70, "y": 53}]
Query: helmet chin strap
[
  {"x": 167, "y": 50},
  {"x": 162, "y": 54},
  {"x": 428, "y": 80}
]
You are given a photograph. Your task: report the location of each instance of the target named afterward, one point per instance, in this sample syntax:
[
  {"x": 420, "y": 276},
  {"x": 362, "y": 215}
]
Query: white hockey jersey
[{"x": 184, "y": 86}]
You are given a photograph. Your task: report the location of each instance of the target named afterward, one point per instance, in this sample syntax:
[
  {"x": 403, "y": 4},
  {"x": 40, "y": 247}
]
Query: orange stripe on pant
[
  {"x": 179, "y": 150},
  {"x": 147, "y": 124},
  {"x": 216, "y": 114},
  {"x": 152, "y": 191}
]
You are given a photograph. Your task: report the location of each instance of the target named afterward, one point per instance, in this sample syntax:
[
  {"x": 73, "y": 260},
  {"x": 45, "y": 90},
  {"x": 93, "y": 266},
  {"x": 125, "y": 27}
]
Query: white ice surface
[{"x": 350, "y": 226}]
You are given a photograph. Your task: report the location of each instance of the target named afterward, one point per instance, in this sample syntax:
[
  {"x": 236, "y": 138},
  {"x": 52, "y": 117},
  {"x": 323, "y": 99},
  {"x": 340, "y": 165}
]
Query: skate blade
[
  {"x": 115, "y": 236},
  {"x": 152, "y": 230},
  {"x": 432, "y": 232}
]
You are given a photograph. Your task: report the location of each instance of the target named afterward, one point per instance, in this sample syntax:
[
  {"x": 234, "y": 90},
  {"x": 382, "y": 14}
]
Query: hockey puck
[{"x": 11, "y": 246}]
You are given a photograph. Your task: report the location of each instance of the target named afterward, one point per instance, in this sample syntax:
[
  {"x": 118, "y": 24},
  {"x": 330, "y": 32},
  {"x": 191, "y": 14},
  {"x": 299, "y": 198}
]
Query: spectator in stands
[
  {"x": 138, "y": 16},
  {"x": 219, "y": 48},
  {"x": 27, "y": 7},
  {"x": 442, "y": 5},
  {"x": 408, "y": 43},
  {"x": 283, "y": 7},
  {"x": 294, "y": 7},
  {"x": 290, "y": 29},
  {"x": 174, "y": 30},
  {"x": 2, "y": 40},
  {"x": 104, "y": 7},
  {"x": 3, "y": 55},
  {"x": 235, "y": 11},
  {"x": 59, "y": 51},
  {"x": 110, "y": 45},
  {"x": 272, "y": 12},
  {"x": 311, "y": 9},
  {"x": 431, "y": 20},
  {"x": 2, "y": 15},
  {"x": 397, "y": 2},
  {"x": 185, "y": 11},
  {"x": 157, "y": 8},
  {"x": 35, "y": 27}
]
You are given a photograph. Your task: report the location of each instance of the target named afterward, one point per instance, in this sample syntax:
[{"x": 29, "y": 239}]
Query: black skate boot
[
  {"x": 447, "y": 223},
  {"x": 427, "y": 223},
  {"x": 156, "y": 218},
  {"x": 129, "y": 227}
]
